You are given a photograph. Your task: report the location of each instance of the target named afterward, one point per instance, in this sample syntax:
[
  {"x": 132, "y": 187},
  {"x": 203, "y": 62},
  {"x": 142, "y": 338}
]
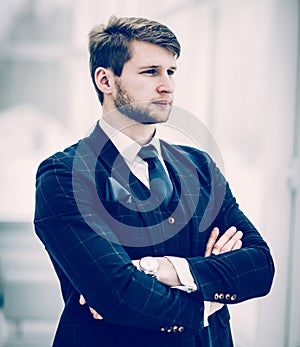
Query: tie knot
[{"x": 148, "y": 152}]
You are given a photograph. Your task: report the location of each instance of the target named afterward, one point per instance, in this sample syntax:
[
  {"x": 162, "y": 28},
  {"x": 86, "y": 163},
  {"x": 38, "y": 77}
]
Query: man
[{"x": 143, "y": 234}]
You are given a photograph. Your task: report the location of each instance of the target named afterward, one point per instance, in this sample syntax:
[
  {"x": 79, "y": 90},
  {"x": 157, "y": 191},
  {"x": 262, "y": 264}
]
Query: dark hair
[{"x": 110, "y": 45}]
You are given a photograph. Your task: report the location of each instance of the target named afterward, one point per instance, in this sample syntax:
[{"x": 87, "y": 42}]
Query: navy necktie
[{"x": 160, "y": 183}]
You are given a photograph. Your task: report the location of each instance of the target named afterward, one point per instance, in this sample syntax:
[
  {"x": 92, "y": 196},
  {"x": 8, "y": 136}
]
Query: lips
[{"x": 162, "y": 102}]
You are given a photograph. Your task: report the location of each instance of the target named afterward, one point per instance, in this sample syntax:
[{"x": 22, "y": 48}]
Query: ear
[{"x": 103, "y": 79}]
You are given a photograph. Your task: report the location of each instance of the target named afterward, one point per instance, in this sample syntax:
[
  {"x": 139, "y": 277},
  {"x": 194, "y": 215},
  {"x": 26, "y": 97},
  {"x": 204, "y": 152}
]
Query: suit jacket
[{"x": 93, "y": 225}]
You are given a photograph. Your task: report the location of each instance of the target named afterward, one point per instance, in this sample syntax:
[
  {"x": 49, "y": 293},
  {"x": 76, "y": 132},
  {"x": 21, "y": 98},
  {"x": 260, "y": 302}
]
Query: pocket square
[{"x": 116, "y": 192}]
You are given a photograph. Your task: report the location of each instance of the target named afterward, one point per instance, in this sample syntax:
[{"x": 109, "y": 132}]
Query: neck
[{"x": 138, "y": 132}]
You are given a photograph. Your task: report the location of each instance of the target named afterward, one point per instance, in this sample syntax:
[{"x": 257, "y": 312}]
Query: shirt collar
[{"x": 125, "y": 145}]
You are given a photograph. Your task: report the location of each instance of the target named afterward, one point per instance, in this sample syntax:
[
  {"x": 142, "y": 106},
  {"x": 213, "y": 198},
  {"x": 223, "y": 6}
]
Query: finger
[
  {"x": 230, "y": 243},
  {"x": 223, "y": 240},
  {"x": 82, "y": 300},
  {"x": 237, "y": 245},
  {"x": 95, "y": 314},
  {"x": 211, "y": 241}
]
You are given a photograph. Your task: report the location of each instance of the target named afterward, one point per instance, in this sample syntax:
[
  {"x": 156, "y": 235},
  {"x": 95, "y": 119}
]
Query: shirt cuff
[
  {"x": 209, "y": 309},
  {"x": 184, "y": 274},
  {"x": 206, "y": 313}
]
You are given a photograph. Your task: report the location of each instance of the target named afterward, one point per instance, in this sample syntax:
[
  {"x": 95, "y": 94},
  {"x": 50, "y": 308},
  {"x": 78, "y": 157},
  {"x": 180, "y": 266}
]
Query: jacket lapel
[{"x": 134, "y": 212}]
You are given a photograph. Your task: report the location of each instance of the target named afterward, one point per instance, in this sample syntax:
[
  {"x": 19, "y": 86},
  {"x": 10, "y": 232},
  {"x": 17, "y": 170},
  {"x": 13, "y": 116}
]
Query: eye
[
  {"x": 171, "y": 72},
  {"x": 152, "y": 72}
]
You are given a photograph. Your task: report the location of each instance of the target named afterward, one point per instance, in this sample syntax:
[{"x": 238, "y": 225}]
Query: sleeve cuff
[{"x": 185, "y": 276}]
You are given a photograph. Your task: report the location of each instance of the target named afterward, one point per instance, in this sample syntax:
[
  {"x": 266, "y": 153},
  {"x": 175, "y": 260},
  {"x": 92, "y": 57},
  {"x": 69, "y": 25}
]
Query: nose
[{"x": 166, "y": 84}]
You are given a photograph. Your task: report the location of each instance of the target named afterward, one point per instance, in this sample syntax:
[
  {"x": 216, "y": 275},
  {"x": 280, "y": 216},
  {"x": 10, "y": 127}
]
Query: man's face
[{"x": 144, "y": 91}]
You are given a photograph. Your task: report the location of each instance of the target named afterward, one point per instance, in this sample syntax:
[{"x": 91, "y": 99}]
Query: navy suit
[{"x": 92, "y": 226}]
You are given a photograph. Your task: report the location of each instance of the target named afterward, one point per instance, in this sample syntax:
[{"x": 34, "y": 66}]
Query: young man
[{"x": 143, "y": 234}]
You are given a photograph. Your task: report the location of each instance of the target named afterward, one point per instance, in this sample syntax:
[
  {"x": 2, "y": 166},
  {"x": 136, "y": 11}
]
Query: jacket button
[
  {"x": 180, "y": 329},
  {"x": 216, "y": 296},
  {"x": 171, "y": 220},
  {"x": 221, "y": 296},
  {"x": 233, "y": 297},
  {"x": 162, "y": 329},
  {"x": 169, "y": 330},
  {"x": 227, "y": 296},
  {"x": 175, "y": 328}
]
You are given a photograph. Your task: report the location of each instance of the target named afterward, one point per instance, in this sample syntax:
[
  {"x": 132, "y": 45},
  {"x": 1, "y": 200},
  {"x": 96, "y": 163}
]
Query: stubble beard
[{"x": 139, "y": 112}]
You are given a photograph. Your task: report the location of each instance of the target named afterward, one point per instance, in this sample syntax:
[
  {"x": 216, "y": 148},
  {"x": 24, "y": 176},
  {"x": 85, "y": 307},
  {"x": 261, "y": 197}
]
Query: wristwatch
[{"x": 149, "y": 265}]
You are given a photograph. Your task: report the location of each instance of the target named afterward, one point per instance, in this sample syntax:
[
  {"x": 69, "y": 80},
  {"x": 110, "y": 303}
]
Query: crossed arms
[
  {"x": 91, "y": 263},
  {"x": 231, "y": 240}
]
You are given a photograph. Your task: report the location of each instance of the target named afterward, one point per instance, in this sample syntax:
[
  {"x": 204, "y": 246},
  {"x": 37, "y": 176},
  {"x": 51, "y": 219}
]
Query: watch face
[{"x": 149, "y": 264}]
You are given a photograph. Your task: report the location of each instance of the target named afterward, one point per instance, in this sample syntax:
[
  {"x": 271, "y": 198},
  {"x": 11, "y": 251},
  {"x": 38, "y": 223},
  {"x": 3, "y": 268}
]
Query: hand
[
  {"x": 94, "y": 313},
  {"x": 229, "y": 241}
]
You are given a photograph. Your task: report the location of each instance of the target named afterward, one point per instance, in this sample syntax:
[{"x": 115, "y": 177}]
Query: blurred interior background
[{"x": 238, "y": 73}]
